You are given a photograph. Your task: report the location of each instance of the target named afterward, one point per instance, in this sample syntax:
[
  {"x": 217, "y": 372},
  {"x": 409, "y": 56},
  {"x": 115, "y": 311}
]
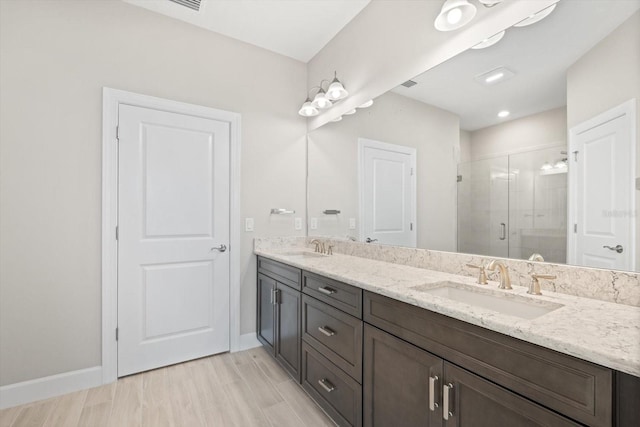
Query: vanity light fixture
[
  {"x": 489, "y": 41},
  {"x": 504, "y": 113},
  {"x": 308, "y": 110},
  {"x": 323, "y": 99},
  {"x": 536, "y": 17},
  {"x": 489, "y": 3},
  {"x": 336, "y": 89},
  {"x": 546, "y": 166},
  {"x": 454, "y": 14},
  {"x": 367, "y": 104}
]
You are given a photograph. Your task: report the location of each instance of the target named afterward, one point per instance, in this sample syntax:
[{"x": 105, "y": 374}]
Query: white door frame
[
  {"x": 111, "y": 99},
  {"x": 412, "y": 152},
  {"x": 627, "y": 108}
]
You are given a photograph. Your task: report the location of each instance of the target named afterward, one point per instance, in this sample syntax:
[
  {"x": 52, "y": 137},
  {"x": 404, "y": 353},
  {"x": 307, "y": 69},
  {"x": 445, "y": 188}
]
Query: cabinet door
[
  {"x": 288, "y": 328},
  {"x": 397, "y": 383},
  {"x": 474, "y": 401},
  {"x": 266, "y": 311}
]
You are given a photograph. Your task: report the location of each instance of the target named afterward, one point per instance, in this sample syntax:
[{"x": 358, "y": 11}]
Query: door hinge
[
  {"x": 116, "y": 334},
  {"x": 117, "y": 234},
  {"x": 411, "y": 226},
  {"x": 117, "y": 133},
  {"x": 459, "y": 178},
  {"x": 575, "y": 228},
  {"x": 411, "y": 171},
  {"x": 575, "y": 156}
]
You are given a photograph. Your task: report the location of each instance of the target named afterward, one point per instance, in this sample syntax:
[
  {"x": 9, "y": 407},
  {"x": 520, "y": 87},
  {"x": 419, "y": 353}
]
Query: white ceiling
[
  {"x": 539, "y": 55},
  {"x": 294, "y": 28}
]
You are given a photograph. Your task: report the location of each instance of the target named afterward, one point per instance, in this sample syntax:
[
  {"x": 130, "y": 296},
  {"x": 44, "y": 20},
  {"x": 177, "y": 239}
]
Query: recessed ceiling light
[
  {"x": 454, "y": 14},
  {"x": 367, "y": 104},
  {"x": 536, "y": 17},
  {"x": 494, "y": 76},
  {"x": 350, "y": 112},
  {"x": 489, "y": 41},
  {"x": 504, "y": 113}
]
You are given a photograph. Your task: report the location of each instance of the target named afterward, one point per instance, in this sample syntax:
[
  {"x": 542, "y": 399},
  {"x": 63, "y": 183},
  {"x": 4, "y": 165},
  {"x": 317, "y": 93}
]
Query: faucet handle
[
  {"x": 330, "y": 249},
  {"x": 534, "y": 287},
  {"x": 482, "y": 277}
]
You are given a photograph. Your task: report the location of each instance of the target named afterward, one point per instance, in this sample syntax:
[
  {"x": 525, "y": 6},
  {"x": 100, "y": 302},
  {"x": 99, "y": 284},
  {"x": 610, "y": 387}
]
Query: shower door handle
[{"x": 503, "y": 231}]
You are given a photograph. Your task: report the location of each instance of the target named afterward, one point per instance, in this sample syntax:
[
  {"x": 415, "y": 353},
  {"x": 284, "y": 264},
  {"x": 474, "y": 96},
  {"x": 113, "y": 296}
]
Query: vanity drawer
[
  {"x": 340, "y": 295},
  {"x": 338, "y": 336},
  {"x": 336, "y": 392},
  {"x": 283, "y": 273},
  {"x": 576, "y": 388}
]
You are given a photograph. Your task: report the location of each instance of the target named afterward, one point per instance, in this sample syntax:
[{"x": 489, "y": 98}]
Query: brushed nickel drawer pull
[
  {"x": 326, "y": 290},
  {"x": 447, "y": 409},
  {"x": 326, "y": 330},
  {"x": 432, "y": 392},
  {"x": 326, "y": 384}
]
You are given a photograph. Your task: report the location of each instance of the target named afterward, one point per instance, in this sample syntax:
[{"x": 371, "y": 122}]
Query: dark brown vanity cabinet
[
  {"x": 409, "y": 387},
  {"x": 279, "y": 313}
]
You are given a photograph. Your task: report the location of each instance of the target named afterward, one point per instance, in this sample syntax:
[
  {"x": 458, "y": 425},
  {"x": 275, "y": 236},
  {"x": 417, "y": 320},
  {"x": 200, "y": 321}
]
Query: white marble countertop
[{"x": 601, "y": 332}]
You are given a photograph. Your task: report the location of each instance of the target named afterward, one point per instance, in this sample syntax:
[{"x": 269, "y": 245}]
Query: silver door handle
[
  {"x": 326, "y": 330},
  {"x": 617, "y": 248},
  {"x": 447, "y": 410},
  {"x": 503, "y": 231},
  {"x": 370, "y": 240},
  {"x": 221, "y": 248},
  {"x": 432, "y": 392},
  {"x": 326, "y": 384}
]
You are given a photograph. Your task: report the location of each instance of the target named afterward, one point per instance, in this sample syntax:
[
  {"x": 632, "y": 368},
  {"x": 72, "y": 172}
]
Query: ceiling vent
[
  {"x": 409, "y": 83},
  {"x": 191, "y": 4}
]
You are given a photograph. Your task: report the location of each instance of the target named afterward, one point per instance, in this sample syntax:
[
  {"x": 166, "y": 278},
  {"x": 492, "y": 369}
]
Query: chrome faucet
[
  {"x": 534, "y": 286},
  {"x": 505, "y": 281},
  {"x": 536, "y": 257},
  {"x": 318, "y": 246}
]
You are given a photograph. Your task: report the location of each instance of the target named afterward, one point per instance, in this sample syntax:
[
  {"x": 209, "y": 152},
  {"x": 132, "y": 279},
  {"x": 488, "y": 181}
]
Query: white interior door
[
  {"x": 387, "y": 193},
  {"x": 602, "y": 169},
  {"x": 173, "y": 209}
]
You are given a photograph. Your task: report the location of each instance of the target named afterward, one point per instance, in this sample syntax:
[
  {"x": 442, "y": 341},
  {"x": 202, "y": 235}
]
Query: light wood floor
[{"x": 242, "y": 389}]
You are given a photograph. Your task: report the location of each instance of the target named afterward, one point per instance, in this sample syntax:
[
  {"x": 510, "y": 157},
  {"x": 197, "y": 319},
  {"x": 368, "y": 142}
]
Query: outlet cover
[
  {"x": 297, "y": 223},
  {"x": 352, "y": 223},
  {"x": 248, "y": 224},
  {"x": 314, "y": 223}
]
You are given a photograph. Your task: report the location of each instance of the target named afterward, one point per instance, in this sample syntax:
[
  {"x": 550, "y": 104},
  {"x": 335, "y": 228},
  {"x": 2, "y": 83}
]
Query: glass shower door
[{"x": 483, "y": 207}]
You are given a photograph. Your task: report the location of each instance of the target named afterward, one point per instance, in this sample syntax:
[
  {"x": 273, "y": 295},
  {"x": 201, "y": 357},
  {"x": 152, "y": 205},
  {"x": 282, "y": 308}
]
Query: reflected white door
[
  {"x": 387, "y": 192},
  {"x": 173, "y": 208},
  {"x": 602, "y": 170}
]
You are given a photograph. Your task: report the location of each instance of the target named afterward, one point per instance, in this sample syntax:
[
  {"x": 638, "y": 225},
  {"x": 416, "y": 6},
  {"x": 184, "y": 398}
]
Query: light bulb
[
  {"x": 308, "y": 110},
  {"x": 321, "y": 101},
  {"x": 454, "y": 16}
]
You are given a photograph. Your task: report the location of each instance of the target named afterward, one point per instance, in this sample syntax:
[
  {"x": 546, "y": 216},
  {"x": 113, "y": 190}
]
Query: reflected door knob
[
  {"x": 370, "y": 240},
  {"x": 617, "y": 248}
]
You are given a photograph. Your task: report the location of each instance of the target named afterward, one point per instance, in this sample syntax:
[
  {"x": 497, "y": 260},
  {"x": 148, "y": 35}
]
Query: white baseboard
[
  {"x": 46, "y": 387},
  {"x": 247, "y": 341}
]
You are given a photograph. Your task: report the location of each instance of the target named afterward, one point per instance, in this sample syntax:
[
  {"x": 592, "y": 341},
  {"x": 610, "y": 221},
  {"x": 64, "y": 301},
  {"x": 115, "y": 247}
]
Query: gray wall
[{"x": 55, "y": 58}]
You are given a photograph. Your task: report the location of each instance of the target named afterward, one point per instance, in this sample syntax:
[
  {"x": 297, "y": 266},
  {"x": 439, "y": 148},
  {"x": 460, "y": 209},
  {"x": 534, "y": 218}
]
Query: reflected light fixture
[
  {"x": 454, "y": 14},
  {"x": 350, "y": 112},
  {"x": 536, "y": 17},
  {"x": 336, "y": 89},
  {"x": 490, "y": 3},
  {"x": 490, "y": 41},
  {"x": 337, "y": 119},
  {"x": 308, "y": 110},
  {"x": 504, "y": 113},
  {"x": 367, "y": 104},
  {"x": 546, "y": 166}
]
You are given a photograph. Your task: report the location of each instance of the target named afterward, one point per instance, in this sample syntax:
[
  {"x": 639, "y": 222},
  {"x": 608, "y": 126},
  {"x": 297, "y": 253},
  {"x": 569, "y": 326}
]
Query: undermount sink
[
  {"x": 302, "y": 254},
  {"x": 511, "y": 305}
]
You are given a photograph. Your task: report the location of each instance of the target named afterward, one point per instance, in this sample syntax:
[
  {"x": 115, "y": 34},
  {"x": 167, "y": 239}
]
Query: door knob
[
  {"x": 617, "y": 248},
  {"x": 221, "y": 248},
  {"x": 370, "y": 240}
]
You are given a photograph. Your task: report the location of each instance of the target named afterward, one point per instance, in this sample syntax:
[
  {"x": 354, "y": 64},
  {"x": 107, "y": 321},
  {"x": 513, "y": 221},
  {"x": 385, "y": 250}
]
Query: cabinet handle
[
  {"x": 447, "y": 409},
  {"x": 432, "y": 392},
  {"x": 503, "y": 231},
  {"x": 327, "y": 291},
  {"x": 275, "y": 296},
  {"x": 326, "y": 384},
  {"x": 326, "y": 330},
  {"x": 271, "y": 295}
]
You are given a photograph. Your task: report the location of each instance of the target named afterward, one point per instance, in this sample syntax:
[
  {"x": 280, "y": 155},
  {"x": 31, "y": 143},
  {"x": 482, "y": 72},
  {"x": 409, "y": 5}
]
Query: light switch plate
[
  {"x": 314, "y": 223},
  {"x": 248, "y": 224},
  {"x": 352, "y": 223},
  {"x": 297, "y": 223}
]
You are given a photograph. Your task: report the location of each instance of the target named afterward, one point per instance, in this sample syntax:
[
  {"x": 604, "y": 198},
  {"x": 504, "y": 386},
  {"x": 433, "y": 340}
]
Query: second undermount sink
[
  {"x": 501, "y": 302},
  {"x": 302, "y": 254}
]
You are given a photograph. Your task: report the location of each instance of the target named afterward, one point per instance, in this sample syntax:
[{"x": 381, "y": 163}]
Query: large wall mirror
[{"x": 524, "y": 149}]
